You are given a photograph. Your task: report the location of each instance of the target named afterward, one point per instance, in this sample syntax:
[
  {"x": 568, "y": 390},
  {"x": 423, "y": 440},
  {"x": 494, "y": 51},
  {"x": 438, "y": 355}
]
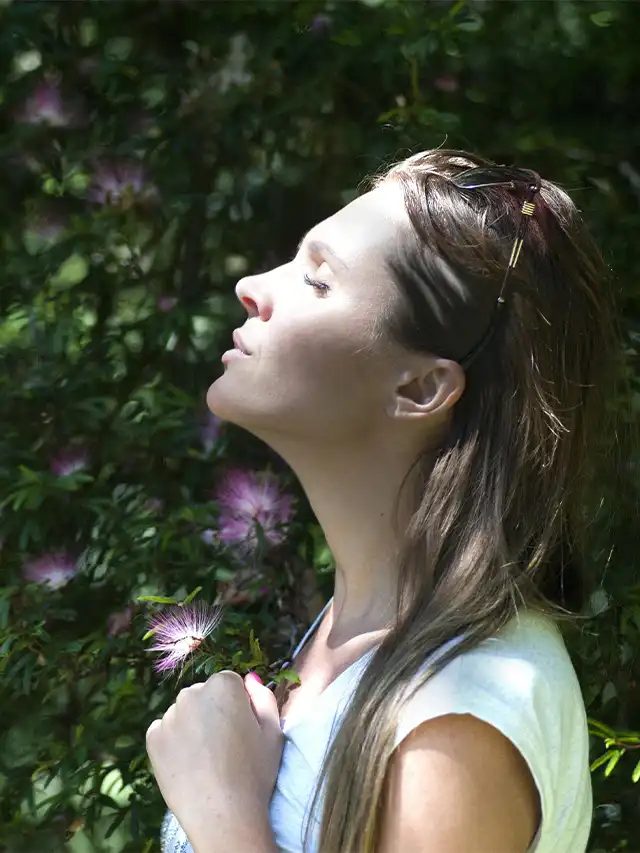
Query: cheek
[
  {"x": 328, "y": 377},
  {"x": 326, "y": 349}
]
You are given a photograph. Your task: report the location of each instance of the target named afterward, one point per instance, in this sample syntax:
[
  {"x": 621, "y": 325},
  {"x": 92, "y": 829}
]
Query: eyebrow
[{"x": 318, "y": 247}]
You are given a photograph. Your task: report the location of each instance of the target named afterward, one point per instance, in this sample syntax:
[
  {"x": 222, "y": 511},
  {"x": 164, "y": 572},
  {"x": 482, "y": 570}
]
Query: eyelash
[{"x": 317, "y": 285}]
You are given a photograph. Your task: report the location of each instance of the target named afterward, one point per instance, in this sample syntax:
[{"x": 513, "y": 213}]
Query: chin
[
  {"x": 224, "y": 401},
  {"x": 221, "y": 403},
  {"x": 267, "y": 413}
]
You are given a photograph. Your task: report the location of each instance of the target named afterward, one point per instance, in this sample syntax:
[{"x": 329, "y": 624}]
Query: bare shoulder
[{"x": 457, "y": 785}]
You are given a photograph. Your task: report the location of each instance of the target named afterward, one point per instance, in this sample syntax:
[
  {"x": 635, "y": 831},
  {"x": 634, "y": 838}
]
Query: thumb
[{"x": 265, "y": 705}]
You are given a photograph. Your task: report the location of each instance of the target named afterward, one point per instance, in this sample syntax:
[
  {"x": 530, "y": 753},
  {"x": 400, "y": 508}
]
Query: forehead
[{"x": 364, "y": 232}]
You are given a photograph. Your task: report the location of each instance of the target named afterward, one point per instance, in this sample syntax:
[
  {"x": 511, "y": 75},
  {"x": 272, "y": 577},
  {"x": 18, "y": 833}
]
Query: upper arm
[{"x": 457, "y": 785}]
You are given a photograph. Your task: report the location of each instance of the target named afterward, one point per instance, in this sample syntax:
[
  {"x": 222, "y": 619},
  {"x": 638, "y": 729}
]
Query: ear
[{"x": 432, "y": 389}]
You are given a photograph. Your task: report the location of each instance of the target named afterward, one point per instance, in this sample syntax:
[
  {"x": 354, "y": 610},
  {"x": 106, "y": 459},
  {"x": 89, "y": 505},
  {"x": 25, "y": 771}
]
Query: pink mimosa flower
[
  {"x": 321, "y": 24},
  {"x": 179, "y": 631},
  {"x": 248, "y": 499},
  {"x": 70, "y": 460},
  {"x": 53, "y": 570},
  {"x": 119, "y": 183},
  {"x": 447, "y": 83},
  {"x": 46, "y": 105},
  {"x": 166, "y": 303}
]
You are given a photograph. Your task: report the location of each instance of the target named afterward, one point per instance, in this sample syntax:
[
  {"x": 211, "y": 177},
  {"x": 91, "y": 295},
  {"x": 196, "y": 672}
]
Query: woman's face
[{"x": 316, "y": 369}]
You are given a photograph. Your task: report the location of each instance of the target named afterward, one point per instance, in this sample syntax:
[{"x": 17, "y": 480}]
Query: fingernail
[{"x": 253, "y": 675}]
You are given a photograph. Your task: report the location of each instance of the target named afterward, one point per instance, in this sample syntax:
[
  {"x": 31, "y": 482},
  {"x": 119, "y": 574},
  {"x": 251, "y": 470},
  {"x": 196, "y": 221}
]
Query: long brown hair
[{"x": 503, "y": 508}]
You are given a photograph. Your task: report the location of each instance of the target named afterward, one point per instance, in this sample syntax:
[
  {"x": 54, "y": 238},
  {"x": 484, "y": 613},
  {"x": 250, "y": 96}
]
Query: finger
[
  {"x": 224, "y": 677},
  {"x": 228, "y": 672},
  {"x": 151, "y": 730},
  {"x": 154, "y": 725},
  {"x": 264, "y": 703}
]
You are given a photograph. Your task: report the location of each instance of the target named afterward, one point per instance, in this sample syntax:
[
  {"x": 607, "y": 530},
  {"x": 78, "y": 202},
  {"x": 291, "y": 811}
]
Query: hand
[{"x": 216, "y": 754}]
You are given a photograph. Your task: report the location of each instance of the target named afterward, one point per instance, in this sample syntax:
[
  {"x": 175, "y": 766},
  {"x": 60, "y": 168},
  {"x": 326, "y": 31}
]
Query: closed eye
[{"x": 319, "y": 286}]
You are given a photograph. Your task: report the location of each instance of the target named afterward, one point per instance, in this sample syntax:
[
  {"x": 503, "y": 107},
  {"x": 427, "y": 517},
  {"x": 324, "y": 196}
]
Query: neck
[{"x": 352, "y": 491}]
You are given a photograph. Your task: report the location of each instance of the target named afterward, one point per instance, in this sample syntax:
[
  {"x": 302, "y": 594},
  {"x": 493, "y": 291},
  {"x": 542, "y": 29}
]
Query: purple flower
[
  {"x": 320, "y": 24},
  {"x": 45, "y": 105},
  {"x": 179, "y": 631},
  {"x": 166, "y": 303},
  {"x": 209, "y": 536},
  {"x": 248, "y": 499},
  {"x": 119, "y": 621},
  {"x": 120, "y": 183},
  {"x": 54, "y": 570},
  {"x": 70, "y": 460},
  {"x": 447, "y": 83},
  {"x": 210, "y": 430}
]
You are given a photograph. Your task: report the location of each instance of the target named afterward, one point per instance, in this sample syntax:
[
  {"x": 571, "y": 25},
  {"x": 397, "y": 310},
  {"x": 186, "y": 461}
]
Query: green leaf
[
  {"x": 4, "y": 613},
  {"x": 77, "y": 181},
  {"x": 636, "y": 773},
  {"x": 158, "y": 599},
  {"x": 73, "y": 482},
  {"x": 602, "y": 759},
  {"x": 118, "y": 47},
  {"x": 115, "y": 823},
  {"x": 615, "y": 757},
  {"x": 223, "y": 574},
  {"x": 601, "y": 727},
  {"x": 609, "y": 692},
  {"x": 29, "y": 475},
  {"x": 152, "y": 96},
  {"x": 348, "y": 38},
  {"x": 209, "y": 666},
  {"x": 87, "y": 32},
  {"x": 26, "y": 61},
  {"x": 471, "y": 25},
  {"x": 603, "y": 19},
  {"x": 51, "y": 186},
  {"x": 191, "y": 596},
  {"x": 254, "y": 645},
  {"x": 287, "y": 675},
  {"x": 70, "y": 272}
]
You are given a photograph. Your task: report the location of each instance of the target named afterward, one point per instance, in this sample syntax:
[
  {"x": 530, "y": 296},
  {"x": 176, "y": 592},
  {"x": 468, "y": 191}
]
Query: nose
[{"x": 254, "y": 299}]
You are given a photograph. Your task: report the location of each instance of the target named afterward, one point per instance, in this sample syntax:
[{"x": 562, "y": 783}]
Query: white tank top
[{"x": 521, "y": 681}]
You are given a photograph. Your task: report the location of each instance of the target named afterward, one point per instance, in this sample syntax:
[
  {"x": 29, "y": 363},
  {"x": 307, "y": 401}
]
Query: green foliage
[{"x": 177, "y": 146}]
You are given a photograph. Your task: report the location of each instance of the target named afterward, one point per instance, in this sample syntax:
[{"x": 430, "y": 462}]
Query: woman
[{"x": 432, "y": 364}]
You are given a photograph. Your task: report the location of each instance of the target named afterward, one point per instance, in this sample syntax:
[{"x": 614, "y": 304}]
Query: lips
[{"x": 238, "y": 343}]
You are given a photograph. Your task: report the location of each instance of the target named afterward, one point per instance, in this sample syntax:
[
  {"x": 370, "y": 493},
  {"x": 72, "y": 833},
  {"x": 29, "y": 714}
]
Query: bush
[{"x": 151, "y": 154}]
